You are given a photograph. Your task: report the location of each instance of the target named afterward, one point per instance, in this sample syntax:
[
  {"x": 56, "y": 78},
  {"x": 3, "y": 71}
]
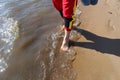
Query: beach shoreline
[{"x": 98, "y": 53}]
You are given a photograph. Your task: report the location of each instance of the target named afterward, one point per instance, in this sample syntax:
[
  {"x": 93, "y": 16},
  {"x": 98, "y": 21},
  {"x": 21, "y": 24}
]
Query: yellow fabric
[{"x": 71, "y": 22}]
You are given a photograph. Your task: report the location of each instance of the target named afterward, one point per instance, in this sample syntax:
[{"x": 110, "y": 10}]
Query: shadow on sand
[{"x": 101, "y": 44}]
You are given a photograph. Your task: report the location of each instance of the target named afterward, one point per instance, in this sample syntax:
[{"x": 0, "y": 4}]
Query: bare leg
[{"x": 65, "y": 43}]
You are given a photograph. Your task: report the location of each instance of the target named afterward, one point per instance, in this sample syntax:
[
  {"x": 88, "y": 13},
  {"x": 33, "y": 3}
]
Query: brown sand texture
[{"x": 98, "y": 48}]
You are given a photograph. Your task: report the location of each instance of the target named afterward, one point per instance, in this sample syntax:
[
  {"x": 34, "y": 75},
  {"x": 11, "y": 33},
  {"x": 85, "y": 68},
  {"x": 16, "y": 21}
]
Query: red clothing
[{"x": 67, "y": 7}]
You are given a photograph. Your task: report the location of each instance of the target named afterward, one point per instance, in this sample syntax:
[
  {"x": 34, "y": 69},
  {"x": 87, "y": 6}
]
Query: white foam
[{"x": 8, "y": 33}]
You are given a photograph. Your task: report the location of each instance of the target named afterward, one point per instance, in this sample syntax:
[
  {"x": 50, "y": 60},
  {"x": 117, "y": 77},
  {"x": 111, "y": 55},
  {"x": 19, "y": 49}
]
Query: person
[{"x": 66, "y": 9}]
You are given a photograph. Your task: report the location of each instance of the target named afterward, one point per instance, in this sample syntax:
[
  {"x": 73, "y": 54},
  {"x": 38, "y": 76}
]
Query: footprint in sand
[{"x": 111, "y": 26}]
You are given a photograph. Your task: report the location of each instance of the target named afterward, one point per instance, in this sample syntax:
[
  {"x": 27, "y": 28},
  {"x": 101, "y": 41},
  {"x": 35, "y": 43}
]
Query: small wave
[
  {"x": 8, "y": 33},
  {"x": 61, "y": 61}
]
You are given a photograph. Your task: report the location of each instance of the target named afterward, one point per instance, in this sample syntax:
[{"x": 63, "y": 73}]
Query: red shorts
[{"x": 67, "y": 7}]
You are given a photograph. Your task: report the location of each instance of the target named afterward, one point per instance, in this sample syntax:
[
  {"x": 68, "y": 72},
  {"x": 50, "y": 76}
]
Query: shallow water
[{"x": 29, "y": 42}]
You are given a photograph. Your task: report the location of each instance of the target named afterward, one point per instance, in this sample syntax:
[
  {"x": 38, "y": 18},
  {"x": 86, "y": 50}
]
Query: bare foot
[
  {"x": 64, "y": 46},
  {"x": 65, "y": 43}
]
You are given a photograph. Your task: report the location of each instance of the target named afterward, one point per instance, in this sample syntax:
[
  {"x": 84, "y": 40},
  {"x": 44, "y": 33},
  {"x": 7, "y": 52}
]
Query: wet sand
[{"x": 98, "y": 48}]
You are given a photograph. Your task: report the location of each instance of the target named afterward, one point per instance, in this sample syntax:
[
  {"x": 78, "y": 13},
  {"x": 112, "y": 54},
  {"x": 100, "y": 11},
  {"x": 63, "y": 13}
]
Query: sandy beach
[{"x": 98, "y": 48}]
